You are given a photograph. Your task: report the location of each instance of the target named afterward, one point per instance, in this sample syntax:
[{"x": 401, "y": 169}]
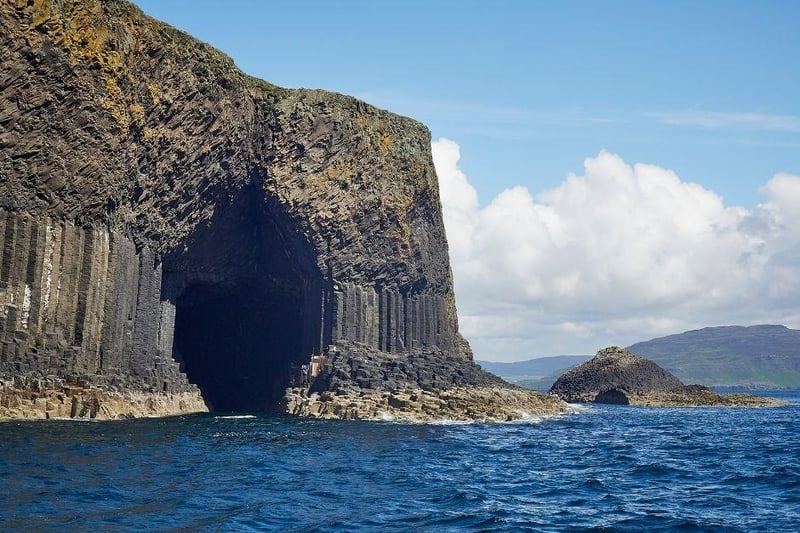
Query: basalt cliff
[{"x": 172, "y": 227}]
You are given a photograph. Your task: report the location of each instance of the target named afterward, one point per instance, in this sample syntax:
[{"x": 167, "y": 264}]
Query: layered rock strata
[
  {"x": 56, "y": 398},
  {"x": 170, "y": 225},
  {"x": 618, "y": 376},
  {"x": 464, "y": 404}
]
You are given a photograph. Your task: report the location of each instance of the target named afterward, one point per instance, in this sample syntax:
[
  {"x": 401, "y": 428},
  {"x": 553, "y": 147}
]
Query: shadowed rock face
[
  {"x": 612, "y": 396},
  {"x": 247, "y": 301},
  {"x": 164, "y": 216}
]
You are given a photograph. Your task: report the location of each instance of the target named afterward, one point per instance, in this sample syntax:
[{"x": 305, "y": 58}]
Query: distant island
[
  {"x": 754, "y": 357},
  {"x": 537, "y": 374},
  {"x": 618, "y": 376}
]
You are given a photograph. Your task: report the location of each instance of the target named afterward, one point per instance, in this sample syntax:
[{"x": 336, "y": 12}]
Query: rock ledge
[
  {"x": 46, "y": 399},
  {"x": 462, "y": 404}
]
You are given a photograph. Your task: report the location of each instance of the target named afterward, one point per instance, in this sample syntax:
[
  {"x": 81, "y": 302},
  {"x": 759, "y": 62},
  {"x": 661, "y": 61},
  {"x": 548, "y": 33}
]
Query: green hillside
[
  {"x": 766, "y": 356},
  {"x": 536, "y": 374}
]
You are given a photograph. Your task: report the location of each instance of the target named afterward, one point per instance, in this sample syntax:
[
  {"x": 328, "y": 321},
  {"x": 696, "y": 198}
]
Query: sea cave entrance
[{"x": 248, "y": 305}]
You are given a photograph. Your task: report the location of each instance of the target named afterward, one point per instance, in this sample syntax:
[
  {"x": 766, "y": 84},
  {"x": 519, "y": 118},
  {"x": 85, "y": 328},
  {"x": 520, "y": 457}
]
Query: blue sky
[{"x": 530, "y": 92}]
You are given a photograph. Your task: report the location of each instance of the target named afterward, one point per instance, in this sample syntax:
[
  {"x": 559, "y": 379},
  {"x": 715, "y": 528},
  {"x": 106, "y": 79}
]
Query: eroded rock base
[
  {"x": 47, "y": 399},
  {"x": 355, "y": 367},
  {"x": 462, "y": 404},
  {"x": 700, "y": 396},
  {"x": 358, "y": 383}
]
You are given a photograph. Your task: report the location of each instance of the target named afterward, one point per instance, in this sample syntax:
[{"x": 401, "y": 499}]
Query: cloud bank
[{"x": 619, "y": 254}]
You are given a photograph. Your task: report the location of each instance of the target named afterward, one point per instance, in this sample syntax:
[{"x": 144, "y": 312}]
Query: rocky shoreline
[
  {"x": 700, "y": 396},
  {"x": 48, "y": 399},
  {"x": 460, "y": 404},
  {"x": 357, "y": 383}
]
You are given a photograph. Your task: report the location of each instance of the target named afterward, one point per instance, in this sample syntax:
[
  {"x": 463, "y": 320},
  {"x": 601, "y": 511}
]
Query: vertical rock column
[
  {"x": 52, "y": 293},
  {"x": 357, "y": 314},
  {"x": 166, "y": 329},
  {"x": 120, "y": 310},
  {"x": 148, "y": 314},
  {"x": 80, "y": 300},
  {"x": 390, "y": 321}
]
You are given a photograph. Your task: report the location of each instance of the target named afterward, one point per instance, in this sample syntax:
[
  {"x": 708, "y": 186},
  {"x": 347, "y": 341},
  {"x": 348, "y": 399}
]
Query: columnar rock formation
[
  {"x": 163, "y": 215},
  {"x": 82, "y": 300}
]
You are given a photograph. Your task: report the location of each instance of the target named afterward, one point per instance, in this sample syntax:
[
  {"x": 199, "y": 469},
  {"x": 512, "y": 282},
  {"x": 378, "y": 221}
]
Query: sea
[{"x": 604, "y": 468}]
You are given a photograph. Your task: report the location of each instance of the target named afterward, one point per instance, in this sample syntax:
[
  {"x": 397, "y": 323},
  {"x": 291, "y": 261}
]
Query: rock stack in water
[
  {"x": 171, "y": 226},
  {"x": 614, "y": 373},
  {"x": 618, "y": 376}
]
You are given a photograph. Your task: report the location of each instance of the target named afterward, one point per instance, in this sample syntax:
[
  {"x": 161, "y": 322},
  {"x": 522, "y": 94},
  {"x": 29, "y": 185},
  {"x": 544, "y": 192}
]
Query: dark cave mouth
[
  {"x": 248, "y": 297},
  {"x": 238, "y": 345}
]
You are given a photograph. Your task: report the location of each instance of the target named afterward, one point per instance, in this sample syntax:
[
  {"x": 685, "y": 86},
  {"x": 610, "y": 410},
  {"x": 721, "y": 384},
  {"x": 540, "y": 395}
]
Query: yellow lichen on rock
[
  {"x": 82, "y": 30},
  {"x": 384, "y": 143}
]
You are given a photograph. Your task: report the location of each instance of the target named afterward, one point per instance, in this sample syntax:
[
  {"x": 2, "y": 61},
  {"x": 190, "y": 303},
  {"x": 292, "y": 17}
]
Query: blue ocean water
[{"x": 609, "y": 468}]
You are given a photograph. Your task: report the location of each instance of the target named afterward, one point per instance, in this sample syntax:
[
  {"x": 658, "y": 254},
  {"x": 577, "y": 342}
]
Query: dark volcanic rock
[
  {"x": 701, "y": 396},
  {"x": 612, "y": 396},
  {"x": 613, "y": 368},
  {"x": 618, "y": 376},
  {"x": 360, "y": 367},
  {"x": 168, "y": 222}
]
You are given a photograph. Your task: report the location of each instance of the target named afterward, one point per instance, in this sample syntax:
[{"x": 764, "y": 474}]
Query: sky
[{"x": 610, "y": 171}]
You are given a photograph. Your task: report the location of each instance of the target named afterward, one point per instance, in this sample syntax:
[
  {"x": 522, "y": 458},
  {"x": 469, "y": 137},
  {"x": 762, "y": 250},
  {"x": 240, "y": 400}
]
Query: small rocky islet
[{"x": 618, "y": 376}]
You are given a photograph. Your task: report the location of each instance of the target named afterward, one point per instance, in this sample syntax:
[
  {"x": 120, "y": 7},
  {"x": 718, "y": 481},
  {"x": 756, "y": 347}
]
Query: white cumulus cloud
[{"x": 619, "y": 254}]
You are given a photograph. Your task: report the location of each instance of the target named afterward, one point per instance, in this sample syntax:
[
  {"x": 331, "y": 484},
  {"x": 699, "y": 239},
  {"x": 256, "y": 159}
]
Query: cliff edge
[{"x": 170, "y": 225}]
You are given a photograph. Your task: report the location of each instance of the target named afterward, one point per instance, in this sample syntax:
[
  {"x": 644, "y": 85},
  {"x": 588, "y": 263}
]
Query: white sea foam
[
  {"x": 579, "y": 407},
  {"x": 233, "y": 417},
  {"x": 451, "y": 422}
]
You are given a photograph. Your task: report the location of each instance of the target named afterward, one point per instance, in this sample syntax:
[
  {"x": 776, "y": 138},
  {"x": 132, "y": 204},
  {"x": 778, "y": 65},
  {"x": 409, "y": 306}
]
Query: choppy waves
[{"x": 605, "y": 469}]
